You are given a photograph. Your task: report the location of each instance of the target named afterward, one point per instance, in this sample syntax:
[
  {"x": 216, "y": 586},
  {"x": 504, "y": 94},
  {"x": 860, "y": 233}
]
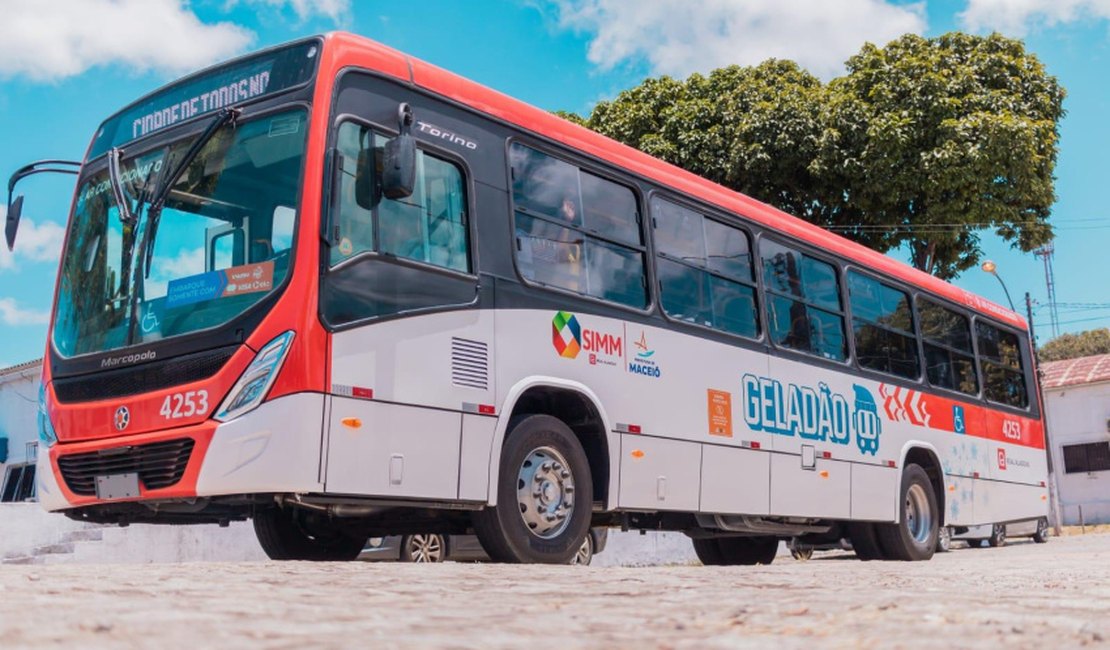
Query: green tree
[
  {"x": 937, "y": 139},
  {"x": 922, "y": 145},
  {"x": 1073, "y": 346},
  {"x": 754, "y": 129}
]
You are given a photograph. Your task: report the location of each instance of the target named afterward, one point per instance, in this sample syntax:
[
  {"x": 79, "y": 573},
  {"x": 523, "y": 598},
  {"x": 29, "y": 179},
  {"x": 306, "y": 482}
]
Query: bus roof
[{"x": 344, "y": 49}]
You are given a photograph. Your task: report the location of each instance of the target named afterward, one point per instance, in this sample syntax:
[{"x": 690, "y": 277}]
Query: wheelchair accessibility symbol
[{"x": 958, "y": 424}]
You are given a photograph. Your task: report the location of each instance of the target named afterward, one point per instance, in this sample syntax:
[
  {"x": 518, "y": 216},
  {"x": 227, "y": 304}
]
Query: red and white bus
[{"x": 346, "y": 293}]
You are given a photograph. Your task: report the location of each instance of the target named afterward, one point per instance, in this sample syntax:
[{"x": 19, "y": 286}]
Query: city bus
[{"x": 344, "y": 293}]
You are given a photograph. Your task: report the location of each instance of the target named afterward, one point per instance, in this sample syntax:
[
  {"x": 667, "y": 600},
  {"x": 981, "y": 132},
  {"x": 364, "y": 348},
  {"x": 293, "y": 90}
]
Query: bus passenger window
[
  {"x": 803, "y": 304},
  {"x": 1000, "y": 363},
  {"x": 705, "y": 270},
  {"x": 576, "y": 231},
  {"x": 946, "y": 338},
  {"x": 882, "y": 325},
  {"x": 429, "y": 226}
]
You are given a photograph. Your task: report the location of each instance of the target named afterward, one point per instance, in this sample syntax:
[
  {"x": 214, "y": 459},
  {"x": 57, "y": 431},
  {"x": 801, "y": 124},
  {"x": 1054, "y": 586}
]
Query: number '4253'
[{"x": 184, "y": 405}]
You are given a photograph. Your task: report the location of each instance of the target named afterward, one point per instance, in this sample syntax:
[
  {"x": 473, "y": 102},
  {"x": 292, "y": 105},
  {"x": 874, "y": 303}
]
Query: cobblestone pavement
[{"x": 1023, "y": 595}]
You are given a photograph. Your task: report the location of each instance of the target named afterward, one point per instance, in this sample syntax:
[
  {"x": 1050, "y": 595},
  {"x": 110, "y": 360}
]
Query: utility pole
[
  {"x": 1046, "y": 252},
  {"x": 1053, "y": 492}
]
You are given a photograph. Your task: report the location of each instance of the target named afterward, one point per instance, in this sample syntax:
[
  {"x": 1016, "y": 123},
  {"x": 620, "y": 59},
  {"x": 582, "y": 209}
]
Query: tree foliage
[
  {"x": 1073, "y": 346},
  {"x": 922, "y": 144}
]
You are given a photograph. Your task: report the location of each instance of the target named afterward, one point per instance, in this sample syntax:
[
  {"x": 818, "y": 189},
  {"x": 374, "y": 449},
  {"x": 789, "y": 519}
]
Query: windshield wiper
[
  {"x": 168, "y": 177},
  {"x": 126, "y": 216}
]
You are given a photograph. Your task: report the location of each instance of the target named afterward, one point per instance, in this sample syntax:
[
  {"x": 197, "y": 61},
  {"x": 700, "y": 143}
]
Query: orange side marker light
[
  {"x": 352, "y": 423},
  {"x": 637, "y": 454},
  {"x": 824, "y": 473}
]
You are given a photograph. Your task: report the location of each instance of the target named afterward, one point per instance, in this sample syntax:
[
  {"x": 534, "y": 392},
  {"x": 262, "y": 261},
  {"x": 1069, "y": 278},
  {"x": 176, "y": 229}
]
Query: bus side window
[
  {"x": 1000, "y": 364},
  {"x": 882, "y": 324},
  {"x": 946, "y": 339},
  {"x": 705, "y": 270},
  {"x": 430, "y": 226},
  {"x": 576, "y": 231},
  {"x": 803, "y": 302}
]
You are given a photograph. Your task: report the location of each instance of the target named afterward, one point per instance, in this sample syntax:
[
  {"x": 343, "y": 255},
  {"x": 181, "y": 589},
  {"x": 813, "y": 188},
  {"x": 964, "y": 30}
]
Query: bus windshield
[{"x": 221, "y": 244}]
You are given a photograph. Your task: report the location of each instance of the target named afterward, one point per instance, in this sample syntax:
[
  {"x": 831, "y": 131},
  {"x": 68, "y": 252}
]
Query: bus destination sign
[{"x": 240, "y": 81}]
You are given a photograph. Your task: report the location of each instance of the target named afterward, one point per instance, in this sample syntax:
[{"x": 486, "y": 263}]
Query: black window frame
[
  {"x": 592, "y": 167},
  {"x": 1026, "y": 363},
  {"x": 1078, "y": 457},
  {"x": 728, "y": 222},
  {"x": 765, "y": 292},
  {"x": 911, "y": 294},
  {"x": 329, "y": 206},
  {"x": 973, "y": 354}
]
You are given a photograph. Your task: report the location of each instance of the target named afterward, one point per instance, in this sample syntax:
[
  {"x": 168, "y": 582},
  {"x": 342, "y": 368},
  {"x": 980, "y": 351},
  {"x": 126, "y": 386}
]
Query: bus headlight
[
  {"x": 256, "y": 380},
  {"x": 47, "y": 435}
]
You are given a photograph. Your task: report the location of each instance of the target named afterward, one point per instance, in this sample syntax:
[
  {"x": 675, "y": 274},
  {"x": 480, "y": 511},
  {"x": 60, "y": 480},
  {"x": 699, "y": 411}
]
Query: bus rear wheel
[
  {"x": 708, "y": 551},
  {"x": 865, "y": 541},
  {"x": 914, "y": 537},
  {"x": 288, "y": 534},
  {"x": 545, "y": 495}
]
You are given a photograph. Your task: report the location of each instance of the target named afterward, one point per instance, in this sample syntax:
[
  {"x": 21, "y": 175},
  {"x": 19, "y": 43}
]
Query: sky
[{"x": 65, "y": 65}]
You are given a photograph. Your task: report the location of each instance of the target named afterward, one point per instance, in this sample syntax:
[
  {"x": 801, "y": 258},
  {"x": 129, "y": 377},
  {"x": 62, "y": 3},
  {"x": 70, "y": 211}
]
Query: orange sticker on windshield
[{"x": 249, "y": 278}]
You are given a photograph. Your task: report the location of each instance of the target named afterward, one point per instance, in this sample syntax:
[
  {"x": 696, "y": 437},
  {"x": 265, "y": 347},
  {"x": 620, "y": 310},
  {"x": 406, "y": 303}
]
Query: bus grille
[
  {"x": 158, "y": 464},
  {"x": 469, "y": 363},
  {"x": 147, "y": 377}
]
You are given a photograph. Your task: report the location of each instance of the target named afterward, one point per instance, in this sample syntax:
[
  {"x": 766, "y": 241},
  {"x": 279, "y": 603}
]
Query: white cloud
[
  {"x": 49, "y": 41},
  {"x": 677, "y": 37},
  {"x": 336, "y": 10},
  {"x": 40, "y": 243},
  {"x": 12, "y": 314},
  {"x": 1016, "y": 17},
  {"x": 187, "y": 262}
]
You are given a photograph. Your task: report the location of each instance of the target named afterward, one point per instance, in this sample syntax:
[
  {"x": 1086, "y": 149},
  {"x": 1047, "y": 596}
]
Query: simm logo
[
  {"x": 566, "y": 335},
  {"x": 570, "y": 338}
]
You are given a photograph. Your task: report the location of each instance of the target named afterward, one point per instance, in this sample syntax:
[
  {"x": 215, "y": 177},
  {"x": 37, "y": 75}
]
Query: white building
[
  {"x": 1077, "y": 404},
  {"x": 19, "y": 396}
]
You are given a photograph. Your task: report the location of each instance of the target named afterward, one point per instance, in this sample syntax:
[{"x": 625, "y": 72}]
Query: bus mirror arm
[
  {"x": 15, "y": 208},
  {"x": 399, "y": 158}
]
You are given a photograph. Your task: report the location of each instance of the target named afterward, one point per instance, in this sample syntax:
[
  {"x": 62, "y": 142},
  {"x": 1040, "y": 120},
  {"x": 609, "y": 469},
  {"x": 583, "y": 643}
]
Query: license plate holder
[{"x": 117, "y": 486}]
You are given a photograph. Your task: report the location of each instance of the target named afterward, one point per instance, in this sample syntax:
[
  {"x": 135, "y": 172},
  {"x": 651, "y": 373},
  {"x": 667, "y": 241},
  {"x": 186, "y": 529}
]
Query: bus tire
[
  {"x": 286, "y": 534},
  {"x": 1041, "y": 536},
  {"x": 708, "y": 551},
  {"x": 865, "y": 542},
  {"x": 748, "y": 551},
  {"x": 545, "y": 495},
  {"x": 914, "y": 537},
  {"x": 998, "y": 536}
]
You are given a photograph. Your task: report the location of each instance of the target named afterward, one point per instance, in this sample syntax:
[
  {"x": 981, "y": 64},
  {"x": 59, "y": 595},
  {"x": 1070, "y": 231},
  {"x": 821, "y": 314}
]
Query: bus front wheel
[
  {"x": 545, "y": 495},
  {"x": 289, "y": 534},
  {"x": 914, "y": 537}
]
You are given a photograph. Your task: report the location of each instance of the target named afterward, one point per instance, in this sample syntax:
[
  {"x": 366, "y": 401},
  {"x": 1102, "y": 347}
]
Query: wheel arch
[
  {"x": 592, "y": 427},
  {"x": 925, "y": 455}
]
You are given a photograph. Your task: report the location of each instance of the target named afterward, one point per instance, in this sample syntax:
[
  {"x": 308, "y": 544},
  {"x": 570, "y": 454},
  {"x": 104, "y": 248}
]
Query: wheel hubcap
[
  {"x": 426, "y": 548},
  {"x": 583, "y": 555},
  {"x": 919, "y": 517},
  {"x": 545, "y": 492}
]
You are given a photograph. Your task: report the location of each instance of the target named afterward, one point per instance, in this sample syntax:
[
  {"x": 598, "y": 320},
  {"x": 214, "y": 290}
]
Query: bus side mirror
[
  {"x": 399, "y": 158},
  {"x": 15, "y": 210}
]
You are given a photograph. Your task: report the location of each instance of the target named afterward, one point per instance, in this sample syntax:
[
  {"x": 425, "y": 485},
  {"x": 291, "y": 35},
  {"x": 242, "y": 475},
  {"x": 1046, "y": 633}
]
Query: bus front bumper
[{"x": 272, "y": 449}]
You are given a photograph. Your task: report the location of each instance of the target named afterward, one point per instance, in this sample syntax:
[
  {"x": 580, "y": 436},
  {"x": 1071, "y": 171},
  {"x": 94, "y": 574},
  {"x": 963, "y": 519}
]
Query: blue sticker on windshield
[{"x": 196, "y": 288}]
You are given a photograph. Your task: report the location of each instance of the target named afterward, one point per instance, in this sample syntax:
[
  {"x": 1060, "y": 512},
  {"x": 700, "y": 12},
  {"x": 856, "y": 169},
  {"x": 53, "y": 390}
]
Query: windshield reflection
[{"x": 223, "y": 240}]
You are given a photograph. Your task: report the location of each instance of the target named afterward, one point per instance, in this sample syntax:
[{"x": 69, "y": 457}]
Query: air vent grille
[
  {"x": 158, "y": 464},
  {"x": 469, "y": 363}
]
